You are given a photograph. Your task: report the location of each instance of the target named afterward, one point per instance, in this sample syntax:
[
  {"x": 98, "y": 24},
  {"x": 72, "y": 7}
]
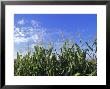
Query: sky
[{"x": 37, "y": 29}]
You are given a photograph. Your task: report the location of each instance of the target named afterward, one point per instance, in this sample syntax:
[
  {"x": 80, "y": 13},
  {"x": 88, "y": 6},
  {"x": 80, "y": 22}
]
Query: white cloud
[
  {"x": 29, "y": 34},
  {"x": 18, "y": 32},
  {"x": 30, "y": 29},
  {"x": 21, "y": 33},
  {"x": 20, "y": 39},
  {"x": 35, "y": 38},
  {"x": 21, "y": 36},
  {"x": 35, "y": 23},
  {"x": 21, "y": 22}
]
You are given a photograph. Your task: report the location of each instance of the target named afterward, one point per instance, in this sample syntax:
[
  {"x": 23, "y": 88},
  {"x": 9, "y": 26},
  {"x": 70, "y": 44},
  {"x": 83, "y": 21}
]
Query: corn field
[{"x": 72, "y": 60}]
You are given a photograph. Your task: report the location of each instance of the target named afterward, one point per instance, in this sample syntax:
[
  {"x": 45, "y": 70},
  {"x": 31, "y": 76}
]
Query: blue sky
[{"x": 35, "y": 29}]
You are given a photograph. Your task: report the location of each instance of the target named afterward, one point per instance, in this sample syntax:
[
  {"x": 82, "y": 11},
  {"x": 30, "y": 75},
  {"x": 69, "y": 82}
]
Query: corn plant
[{"x": 71, "y": 61}]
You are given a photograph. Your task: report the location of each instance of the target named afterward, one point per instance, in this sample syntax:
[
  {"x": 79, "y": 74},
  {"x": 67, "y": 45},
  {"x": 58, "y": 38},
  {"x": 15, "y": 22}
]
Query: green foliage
[{"x": 71, "y": 61}]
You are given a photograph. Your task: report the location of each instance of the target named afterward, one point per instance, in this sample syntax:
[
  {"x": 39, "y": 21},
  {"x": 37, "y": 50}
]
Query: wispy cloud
[
  {"x": 21, "y": 22},
  {"x": 18, "y": 32},
  {"x": 35, "y": 24},
  {"x": 35, "y": 38},
  {"x": 21, "y": 39},
  {"x": 29, "y": 34}
]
